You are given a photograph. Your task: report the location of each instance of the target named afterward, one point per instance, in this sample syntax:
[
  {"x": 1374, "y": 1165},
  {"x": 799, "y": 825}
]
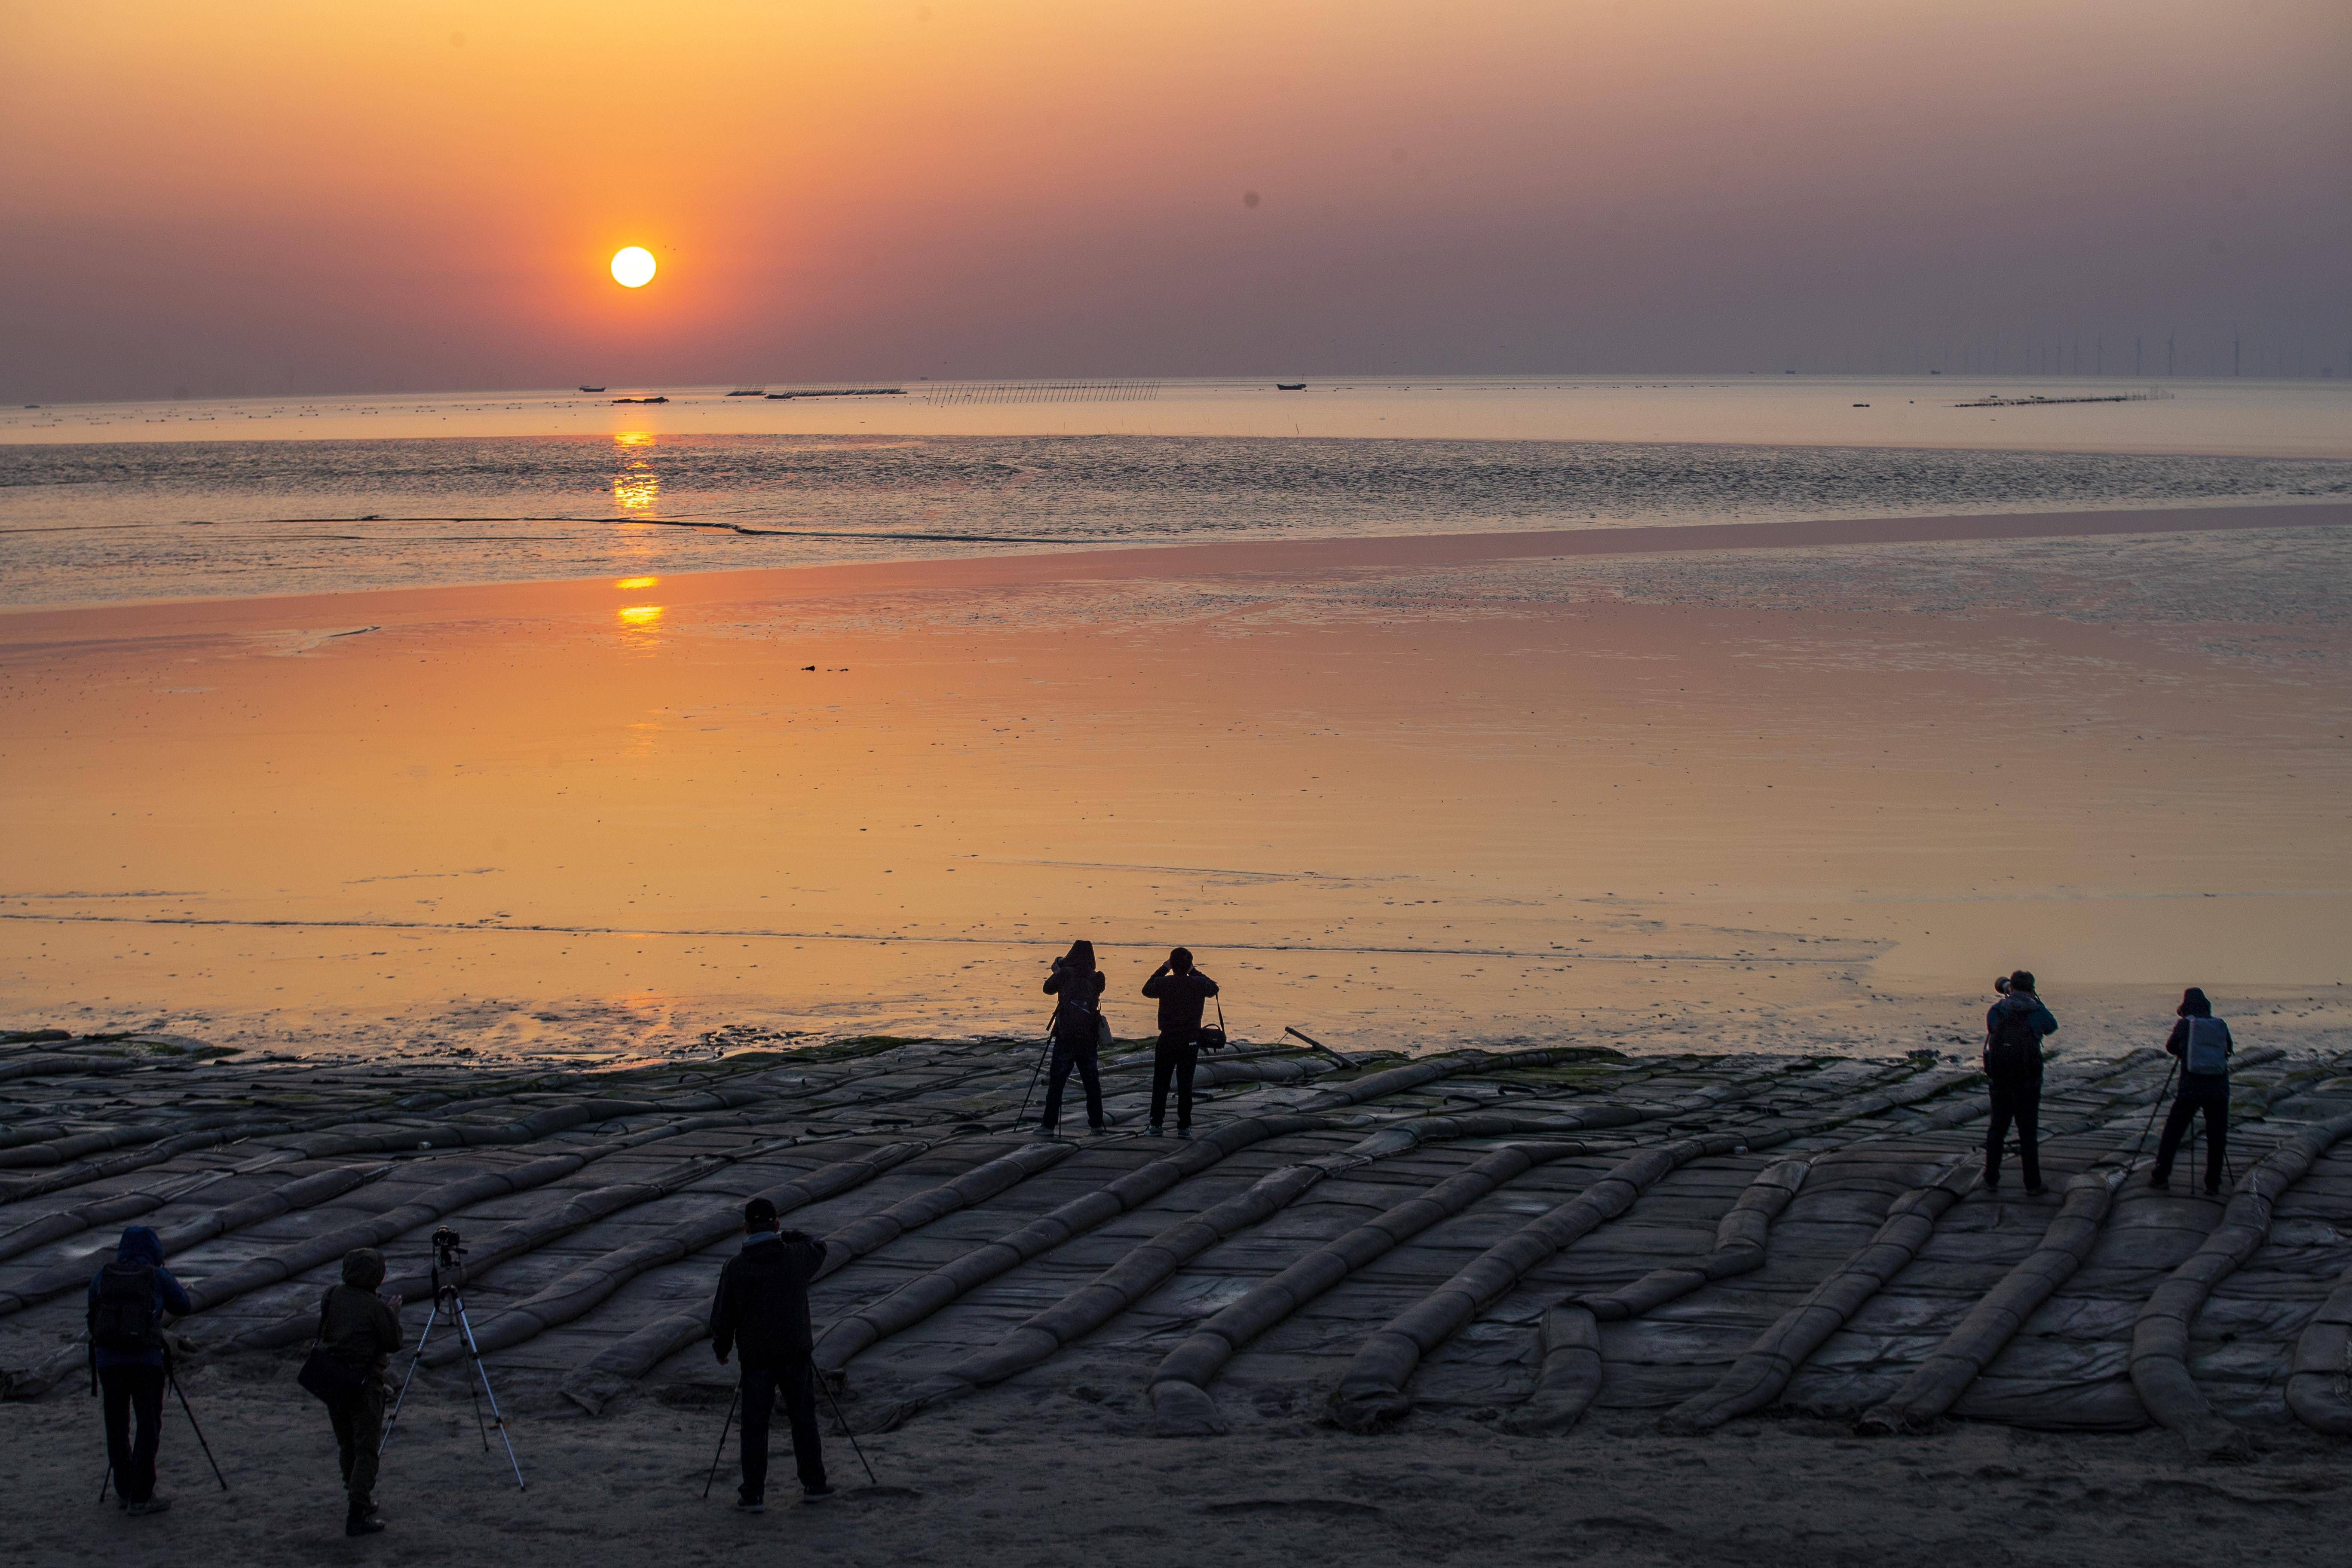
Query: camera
[
  {"x": 448, "y": 1246},
  {"x": 2000, "y": 984}
]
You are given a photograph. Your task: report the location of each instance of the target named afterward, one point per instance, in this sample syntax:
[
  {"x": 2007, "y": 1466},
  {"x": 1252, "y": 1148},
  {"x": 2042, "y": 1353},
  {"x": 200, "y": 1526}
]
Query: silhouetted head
[
  {"x": 759, "y": 1215},
  {"x": 2021, "y": 980},
  {"x": 364, "y": 1268},
  {"x": 1081, "y": 957},
  {"x": 2193, "y": 1005},
  {"x": 138, "y": 1245},
  {"x": 1181, "y": 960}
]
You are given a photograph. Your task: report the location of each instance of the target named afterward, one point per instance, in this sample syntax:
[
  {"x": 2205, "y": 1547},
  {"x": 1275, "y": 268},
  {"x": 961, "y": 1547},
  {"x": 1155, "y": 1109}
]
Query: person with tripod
[
  {"x": 761, "y": 1311},
  {"x": 2014, "y": 1029},
  {"x": 1179, "y": 989},
  {"x": 2202, "y": 1043},
  {"x": 129, "y": 1298},
  {"x": 360, "y": 1330},
  {"x": 1079, "y": 1031}
]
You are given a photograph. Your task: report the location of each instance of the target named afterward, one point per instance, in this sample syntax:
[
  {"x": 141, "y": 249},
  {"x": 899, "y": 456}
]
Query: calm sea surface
[{"x": 127, "y": 501}]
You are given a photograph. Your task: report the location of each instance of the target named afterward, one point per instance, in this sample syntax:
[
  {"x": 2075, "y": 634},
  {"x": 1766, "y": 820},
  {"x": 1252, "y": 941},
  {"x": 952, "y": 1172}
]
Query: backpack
[
  {"x": 2205, "y": 1058},
  {"x": 2016, "y": 1042},
  {"x": 122, "y": 1318}
]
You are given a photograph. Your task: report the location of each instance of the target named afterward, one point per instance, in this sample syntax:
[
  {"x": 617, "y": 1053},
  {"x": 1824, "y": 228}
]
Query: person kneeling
[{"x": 761, "y": 1311}]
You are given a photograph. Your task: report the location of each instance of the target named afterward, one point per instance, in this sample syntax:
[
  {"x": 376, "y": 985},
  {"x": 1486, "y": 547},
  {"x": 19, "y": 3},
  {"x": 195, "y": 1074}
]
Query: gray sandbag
[
  {"x": 585, "y": 1288},
  {"x": 1758, "y": 1377},
  {"x": 2159, "y": 1352}
]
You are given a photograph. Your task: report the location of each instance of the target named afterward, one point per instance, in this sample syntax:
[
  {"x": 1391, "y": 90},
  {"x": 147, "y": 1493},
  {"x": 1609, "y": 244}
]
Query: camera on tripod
[{"x": 448, "y": 1246}]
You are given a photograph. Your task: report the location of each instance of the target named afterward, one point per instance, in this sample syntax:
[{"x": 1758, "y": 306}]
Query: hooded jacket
[
  {"x": 355, "y": 1323},
  {"x": 2013, "y": 1016},
  {"x": 142, "y": 1246}
]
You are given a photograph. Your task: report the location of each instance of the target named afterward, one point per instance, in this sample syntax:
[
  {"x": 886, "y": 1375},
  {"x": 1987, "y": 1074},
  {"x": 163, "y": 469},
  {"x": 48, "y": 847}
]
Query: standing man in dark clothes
[
  {"x": 2014, "y": 1027},
  {"x": 763, "y": 1310},
  {"x": 127, "y": 1300},
  {"x": 2202, "y": 1043},
  {"x": 361, "y": 1330},
  {"x": 1179, "y": 990},
  {"x": 1077, "y": 988}
]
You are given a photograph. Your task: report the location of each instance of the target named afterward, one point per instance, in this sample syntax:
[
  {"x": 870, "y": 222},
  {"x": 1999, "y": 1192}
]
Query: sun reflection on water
[{"x": 635, "y": 489}]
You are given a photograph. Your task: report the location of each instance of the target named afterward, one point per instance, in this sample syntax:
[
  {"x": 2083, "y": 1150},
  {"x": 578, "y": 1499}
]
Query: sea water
[{"x": 104, "y": 502}]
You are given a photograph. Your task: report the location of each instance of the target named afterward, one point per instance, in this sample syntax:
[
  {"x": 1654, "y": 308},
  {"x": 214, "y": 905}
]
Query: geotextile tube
[
  {"x": 612, "y": 1370},
  {"x": 112, "y": 1210},
  {"x": 2319, "y": 1383},
  {"x": 305, "y": 1193},
  {"x": 1118, "y": 1287},
  {"x": 1758, "y": 1377},
  {"x": 1938, "y": 1383},
  {"x": 580, "y": 1292},
  {"x": 491, "y": 1248},
  {"x": 919, "y": 1297},
  {"x": 435, "y": 1203},
  {"x": 1180, "y": 1403},
  {"x": 2159, "y": 1348},
  {"x": 1569, "y": 1375},
  {"x": 1371, "y": 1397}
]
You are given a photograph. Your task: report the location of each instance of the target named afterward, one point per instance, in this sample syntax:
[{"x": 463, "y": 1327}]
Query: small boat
[
  {"x": 1290, "y": 386},
  {"x": 641, "y": 400},
  {"x": 592, "y": 389},
  {"x": 748, "y": 391}
]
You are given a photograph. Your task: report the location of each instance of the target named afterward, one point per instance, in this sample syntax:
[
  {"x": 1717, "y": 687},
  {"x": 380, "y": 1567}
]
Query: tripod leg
[
  {"x": 386, "y": 1436},
  {"x": 191, "y": 1413},
  {"x": 104, "y": 1479},
  {"x": 716, "y": 1454},
  {"x": 833, "y": 1400},
  {"x": 465, "y": 1327},
  {"x": 1034, "y": 1073}
]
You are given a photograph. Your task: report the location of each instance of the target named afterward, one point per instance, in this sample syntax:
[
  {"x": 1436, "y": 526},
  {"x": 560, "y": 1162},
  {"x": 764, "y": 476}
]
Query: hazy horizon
[{"x": 273, "y": 200}]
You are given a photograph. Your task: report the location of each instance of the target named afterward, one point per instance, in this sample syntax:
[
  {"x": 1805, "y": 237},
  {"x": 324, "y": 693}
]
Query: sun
[{"x": 632, "y": 266}]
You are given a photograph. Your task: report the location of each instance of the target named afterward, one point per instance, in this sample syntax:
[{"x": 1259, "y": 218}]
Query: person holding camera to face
[
  {"x": 2014, "y": 1029},
  {"x": 361, "y": 1330},
  {"x": 1080, "y": 1032},
  {"x": 1179, "y": 989},
  {"x": 761, "y": 1313}
]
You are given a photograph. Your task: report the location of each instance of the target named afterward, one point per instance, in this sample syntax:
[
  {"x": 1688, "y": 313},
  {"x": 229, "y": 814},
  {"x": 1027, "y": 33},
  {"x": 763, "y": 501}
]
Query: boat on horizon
[
  {"x": 748, "y": 391},
  {"x": 656, "y": 399},
  {"x": 1290, "y": 386},
  {"x": 592, "y": 389}
]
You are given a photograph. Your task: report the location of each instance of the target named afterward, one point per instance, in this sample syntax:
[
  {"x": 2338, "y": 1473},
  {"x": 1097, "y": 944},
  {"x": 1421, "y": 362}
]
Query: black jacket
[
  {"x": 762, "y": 1302},
  {"x": 1078, "y": 1008},
  {"x": 1179, "y": 997}
]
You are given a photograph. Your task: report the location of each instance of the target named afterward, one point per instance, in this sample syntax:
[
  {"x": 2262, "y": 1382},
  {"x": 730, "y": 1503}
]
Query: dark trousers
[
  {"x": 2016, "y": 1097},
  {"x": 796, "y": 1387},
  {"x": 2208, "y": 1092},
  {"x": 359, "y": 1435},
  {"x": 1175, "y": 1057},
  {"x": 125, "y": 1393},
  {"x": 1065, "y": 1057}
]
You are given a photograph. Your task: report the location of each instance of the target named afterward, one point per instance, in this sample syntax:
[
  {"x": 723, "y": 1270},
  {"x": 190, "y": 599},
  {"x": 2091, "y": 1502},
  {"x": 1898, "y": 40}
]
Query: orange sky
[{"x": 278, "y": 197}]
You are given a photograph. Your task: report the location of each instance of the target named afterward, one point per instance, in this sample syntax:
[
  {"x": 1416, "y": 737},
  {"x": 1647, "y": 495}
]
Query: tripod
[{"x": 446, "y": 1298}]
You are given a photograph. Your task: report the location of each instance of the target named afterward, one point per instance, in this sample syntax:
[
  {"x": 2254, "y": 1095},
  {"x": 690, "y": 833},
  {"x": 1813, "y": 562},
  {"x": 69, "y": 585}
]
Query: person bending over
[
  {"x": 1077, "y": 988},
  {"x": 2202, "y": 1043},
  {"x": 761, "y": 1312},
  {"x": 2014, "y": 1029},
  {"x": 1179, "y": 989},
  {"x": 361, "y": 1330},
  {"x": 129, "y": 1298}
]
